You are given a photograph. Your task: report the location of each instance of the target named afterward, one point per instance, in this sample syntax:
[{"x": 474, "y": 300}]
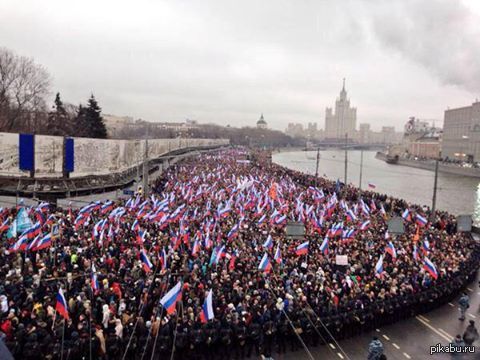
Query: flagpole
[
  {"x": 161, "y": 314},
  {"x": 138, "y": 317},
  {"x": 175, "y": 334},
  {"x": 361, "y": 171},
  {"x": 90, "y": 322},
  {"x": 291, "y": 324},
  {"x": 63, "y": 337}
]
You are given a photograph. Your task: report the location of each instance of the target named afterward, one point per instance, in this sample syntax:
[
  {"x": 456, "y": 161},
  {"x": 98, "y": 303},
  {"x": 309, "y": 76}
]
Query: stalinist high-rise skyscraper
[{"x": 343, "y": 121}]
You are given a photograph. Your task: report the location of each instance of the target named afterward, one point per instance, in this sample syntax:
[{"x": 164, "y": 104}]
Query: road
[{"x": 407, "y": 339}]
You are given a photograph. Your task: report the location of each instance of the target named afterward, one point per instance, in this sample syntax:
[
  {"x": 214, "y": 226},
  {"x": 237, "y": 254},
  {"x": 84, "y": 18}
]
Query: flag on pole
[
  {"x": 278, "y": 255},
  {"x": 94, "y": 280},
  {"x": 391, "y": 250},
  {"x": 43, "y": 242},
  {"x": 324, "y": 246},
  {"x": 4, "y": 226},
  {"x": 302, "y": 249},
  {"x": 420, "y": 220},
  {"x": 265, "y": 264},
  {"x": 61, "y": 305},
  {"x": 163, "y": 259},
  {"x": 169, "y": 301},
  {"x": 147, "y": 264},
  {"x": 269, "y": 242},
  {"x": 364, "y": 226},
  {"x": 406, "y": 215},
  {"x": 207, "y": 309},
  {"x": 379, "y": 266},
  {"x": 430, "y": 268}
]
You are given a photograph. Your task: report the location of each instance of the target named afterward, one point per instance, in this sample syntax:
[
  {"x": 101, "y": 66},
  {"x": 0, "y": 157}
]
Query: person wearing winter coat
[
  {"x": 458, "y": 343},
  {"x": 375, "y": 349},
  {"x": 471, "y": 333},
  {"x": 464, "y": 303}
]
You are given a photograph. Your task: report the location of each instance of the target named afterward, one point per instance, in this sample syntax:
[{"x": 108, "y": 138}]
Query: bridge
[
  {"x": 338, "y": 144},
  {"x": 96, "y": 165}
]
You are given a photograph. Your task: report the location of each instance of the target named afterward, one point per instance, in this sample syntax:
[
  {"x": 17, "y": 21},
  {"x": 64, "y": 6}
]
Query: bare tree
[{"x": 23, "y": 88}]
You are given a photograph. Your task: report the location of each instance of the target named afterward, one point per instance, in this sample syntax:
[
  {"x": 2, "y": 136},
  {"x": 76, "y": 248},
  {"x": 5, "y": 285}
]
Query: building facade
[
  {"x": 425, "y": 147},
  {"x": 261, "y": 123},
  {"x": 343, "y": 120},
  {"x": 461, "y": 133}
]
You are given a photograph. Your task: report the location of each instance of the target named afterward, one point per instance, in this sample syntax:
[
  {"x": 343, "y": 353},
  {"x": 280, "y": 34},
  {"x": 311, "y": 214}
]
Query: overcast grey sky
[{"x": 228, "y": 61}]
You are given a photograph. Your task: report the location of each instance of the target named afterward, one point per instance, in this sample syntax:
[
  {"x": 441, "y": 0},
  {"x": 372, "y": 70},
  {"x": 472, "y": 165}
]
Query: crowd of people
[{"x": 218, "y": 224}]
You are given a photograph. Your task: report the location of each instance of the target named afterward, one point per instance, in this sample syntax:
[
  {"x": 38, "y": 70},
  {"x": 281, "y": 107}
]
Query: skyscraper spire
[{"x": 343, "y": 93}]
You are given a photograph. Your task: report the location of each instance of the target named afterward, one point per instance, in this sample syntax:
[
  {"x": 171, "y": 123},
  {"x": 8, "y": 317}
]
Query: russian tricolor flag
[
  {"x": 416, "y": 255},
  {"x": 265, "y": 264},
  {"x": 278, "y": 255},
  {"x": 364, "y": 226},
  {"x": 269, "y": 242},
  {"x": 141, "y": 237},
  {"x": 108, "y": 206},
  {"x": 196, "y": 247},
  {"x": 4, "y": 225},
  {"x": 372, "y": 185},
  {"x": 220, "y": 254},
  {"x": 351, "y": 216},
  {"x": 169, "y": 301},
  {"x": 94, "y": 280},
  {"x": 33, "y": 244},
  {"x": 430, "y": 267},
  {"x": 365, "y": 209},
  {"x": 147, "y": 264},
  {"x": 207, "y": 241},
  {"x": 207, "y": 309},
  {"x": 302, "y": 249},
  {"x": 324, "y": 246},
  {"x": 262, "y": 219},
  {"x": 279, "y": 220},
  {"x": 382, "y": 211},
  {"x": 33, "y": 231},
  {"x": 391, "y": 250},
  {"x": 379, "y": 266},
  {"x": 426, "y": 246},
  {"x": 163, "y": 259},
  {"x": 233, "y": 232},
  {"x": 43, "y": 243},
  {"x": 61, "y": 306},
  {"x": 420, "y": 220},
  {"x": 135, "y": 226},
  {"x": 21, "y": 244},
  {"x": 406, "y": 215}
]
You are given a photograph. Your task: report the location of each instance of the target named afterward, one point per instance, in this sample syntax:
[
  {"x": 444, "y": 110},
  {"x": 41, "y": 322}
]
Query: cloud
[
  {"x": 441, "y": 35},
  {"x": 227, "y": 61}
]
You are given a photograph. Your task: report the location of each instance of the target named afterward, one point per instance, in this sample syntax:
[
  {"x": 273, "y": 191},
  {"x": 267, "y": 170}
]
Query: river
[{"x": 456, "y": 194}]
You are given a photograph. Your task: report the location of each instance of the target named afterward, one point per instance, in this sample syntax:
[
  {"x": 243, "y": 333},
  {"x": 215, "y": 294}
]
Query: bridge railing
[{"x": 88, "y": 156}]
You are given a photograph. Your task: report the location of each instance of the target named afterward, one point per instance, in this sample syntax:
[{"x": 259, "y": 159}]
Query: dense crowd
[{"x": 219, "y": 222}]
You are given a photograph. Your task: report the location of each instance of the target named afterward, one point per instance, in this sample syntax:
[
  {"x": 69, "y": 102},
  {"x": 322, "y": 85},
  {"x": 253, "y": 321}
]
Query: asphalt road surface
[{"x": 407, "y": 339}]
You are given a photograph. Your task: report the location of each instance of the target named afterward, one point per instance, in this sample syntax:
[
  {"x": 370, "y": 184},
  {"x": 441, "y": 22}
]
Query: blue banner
[
  {"x": 69, "y": 155},
  {"x": 27, "y": 152}
]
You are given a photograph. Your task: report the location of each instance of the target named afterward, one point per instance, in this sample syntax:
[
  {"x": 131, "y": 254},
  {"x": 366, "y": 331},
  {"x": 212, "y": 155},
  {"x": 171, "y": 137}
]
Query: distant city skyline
[{"x": 227, "y": 62}]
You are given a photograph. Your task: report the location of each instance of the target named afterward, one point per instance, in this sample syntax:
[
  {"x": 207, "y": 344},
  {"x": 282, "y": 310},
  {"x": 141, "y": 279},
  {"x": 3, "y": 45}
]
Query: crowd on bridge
[{"x": 203, "y": 267}]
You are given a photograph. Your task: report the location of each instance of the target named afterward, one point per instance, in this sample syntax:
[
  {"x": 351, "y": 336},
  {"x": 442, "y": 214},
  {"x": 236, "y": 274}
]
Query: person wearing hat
[
  {"x": 458, "y": 343},
  {"x": 375, "y": 349},
  {"x": 471, "y": 333}
]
